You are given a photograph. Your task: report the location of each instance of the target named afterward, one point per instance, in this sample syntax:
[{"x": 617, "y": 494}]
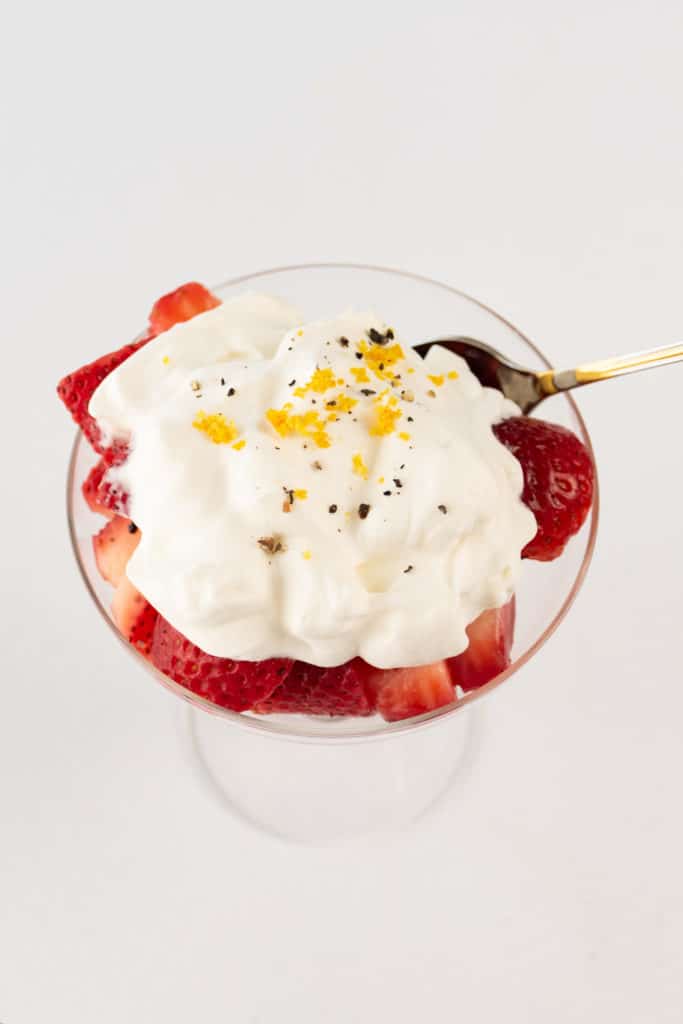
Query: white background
[{"x": 529, "y": 153}]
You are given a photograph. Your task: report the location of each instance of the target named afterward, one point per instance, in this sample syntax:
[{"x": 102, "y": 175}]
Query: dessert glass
[{"x": 316, "y": 779}]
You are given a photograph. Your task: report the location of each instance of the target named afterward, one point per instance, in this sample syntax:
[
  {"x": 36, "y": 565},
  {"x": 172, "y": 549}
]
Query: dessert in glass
[{"x": 328, "y": 543}]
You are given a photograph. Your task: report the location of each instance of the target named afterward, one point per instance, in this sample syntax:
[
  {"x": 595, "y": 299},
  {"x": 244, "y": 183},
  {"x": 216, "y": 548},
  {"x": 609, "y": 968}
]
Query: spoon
[{"x": 528, "y": 388}]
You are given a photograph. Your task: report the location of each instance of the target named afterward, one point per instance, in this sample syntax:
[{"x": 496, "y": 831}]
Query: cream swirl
[{"x": 314, "y": 490}]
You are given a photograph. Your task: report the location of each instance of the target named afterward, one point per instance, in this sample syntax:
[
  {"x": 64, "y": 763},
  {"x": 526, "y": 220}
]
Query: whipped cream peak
[{"x": 314, "y": 490}]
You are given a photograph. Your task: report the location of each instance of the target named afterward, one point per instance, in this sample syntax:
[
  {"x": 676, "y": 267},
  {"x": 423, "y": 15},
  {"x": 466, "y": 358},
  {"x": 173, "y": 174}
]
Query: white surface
[{"x": 528, "y": 153}]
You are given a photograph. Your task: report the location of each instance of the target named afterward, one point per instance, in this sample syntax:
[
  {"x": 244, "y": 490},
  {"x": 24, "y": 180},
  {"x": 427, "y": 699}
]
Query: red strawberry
[
  {"x": 558, "y": 481},
  {"x": 488, "y": 654},
  {"x": 405, "y": 692},
  {"x": 180, "y": 305},
  {"x": 134, "y": 616},
  {"x": 237, "y": 685},
  {"x": 112, "y": 498},
  {"x": 113, "y": 546},
  {"x": 309, "y": 690},
  {"x": 90, "y": 488},
  {"x": 76, "y": 390},
  {"x": 102, "y": 495}
]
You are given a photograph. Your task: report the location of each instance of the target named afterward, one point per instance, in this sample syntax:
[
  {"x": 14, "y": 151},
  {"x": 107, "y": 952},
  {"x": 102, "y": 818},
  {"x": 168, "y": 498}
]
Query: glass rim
[{"x": 283, "y": 730}]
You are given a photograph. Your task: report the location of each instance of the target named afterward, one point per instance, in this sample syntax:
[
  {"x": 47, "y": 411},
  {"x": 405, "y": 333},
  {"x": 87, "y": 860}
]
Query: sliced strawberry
[
  {"x": 134, "y": 616},
  {"x": 405, "y": 692},
  {"x": 103, "y": 496},
  {"x": 558, "y": 481},
  {"x": 237, "y": 685},
  {"x": 91, "y": 486},
  {"x": 112, "y": 497},
  {"x": 309, "y": 690},
  {"x": 180, "y": 305},
  {"x": 488, "y": 654},
  {"x": 76, "y": 390},
  {"x": 113, "y": 546}
]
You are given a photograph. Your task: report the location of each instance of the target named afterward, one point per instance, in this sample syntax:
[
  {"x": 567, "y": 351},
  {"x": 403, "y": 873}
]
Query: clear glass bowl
[{"x": 311, "y": 778}]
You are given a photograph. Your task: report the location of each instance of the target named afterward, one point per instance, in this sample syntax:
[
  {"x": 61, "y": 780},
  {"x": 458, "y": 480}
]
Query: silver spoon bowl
[{"x": 527, "y": 388}]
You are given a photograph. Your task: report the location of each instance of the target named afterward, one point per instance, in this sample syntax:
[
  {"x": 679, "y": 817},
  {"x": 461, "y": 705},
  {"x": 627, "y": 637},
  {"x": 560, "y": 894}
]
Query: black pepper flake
[
  {"x": 398, "y": 482},
  {"x": 443, "y": 509},
  {"x": 363, "y": 511},
  {"x": 387, "y": 494},
  {"x": 403, "y": 466},
  {"x": 409, "y": 569},
  {"x": 332, "y": 509},
  {"x": 344, "y": 342},
  {"x": 367, "y": 392},
  {"x": 291, "y": 383},
  {"x": 359, "y": 355},
  {"x": 317, "y": 464},
  {"x": 132, "y": 528},
  {"x": 231, "y": 392},
  {"x": 381, "y": 366},
  {"x": 377, "y": 338},
  {"x": 222, "y": 382},
  {"x": 271, "y": 545},
  {"x": 410, "y": 420},
  {"x": 331, "y": 403}
]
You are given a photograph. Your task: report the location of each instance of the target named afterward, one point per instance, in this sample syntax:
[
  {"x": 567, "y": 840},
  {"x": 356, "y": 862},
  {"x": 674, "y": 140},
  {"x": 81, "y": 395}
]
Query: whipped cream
[{"x": 314, "y": 490}]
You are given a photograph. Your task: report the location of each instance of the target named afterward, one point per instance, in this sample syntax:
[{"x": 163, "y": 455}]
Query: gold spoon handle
[{"x": 553, "y": 381}]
